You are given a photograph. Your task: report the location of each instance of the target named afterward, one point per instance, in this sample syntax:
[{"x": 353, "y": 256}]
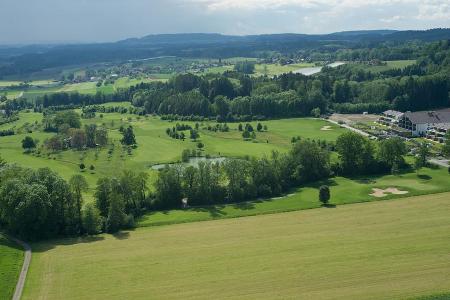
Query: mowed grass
[
  {"x": 343, "y": 191},
  {"x": 154, "y": 146},
  {"x": 277, "y": 69},
  {"x": 11, "y": 259},
  {"x": 379, "y": 250}
]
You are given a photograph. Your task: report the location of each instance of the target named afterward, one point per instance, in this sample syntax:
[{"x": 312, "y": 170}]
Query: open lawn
[
  {"x": 343, "y": 191},
  {"x": 381, "y": 250},
  {"x": 11, "y": 259}
]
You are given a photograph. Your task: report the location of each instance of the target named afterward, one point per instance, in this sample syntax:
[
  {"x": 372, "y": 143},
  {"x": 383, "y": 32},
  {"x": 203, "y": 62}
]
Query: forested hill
[{"x": 202, "y": 46}]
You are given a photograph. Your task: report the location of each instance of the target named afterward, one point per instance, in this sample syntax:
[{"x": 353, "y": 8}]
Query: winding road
[{"x": 24, "y": 271}]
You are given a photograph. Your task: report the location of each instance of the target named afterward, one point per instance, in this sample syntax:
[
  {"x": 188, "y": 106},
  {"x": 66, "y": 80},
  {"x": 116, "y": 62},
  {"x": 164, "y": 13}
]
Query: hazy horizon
[{"x": 86, "y": 21}]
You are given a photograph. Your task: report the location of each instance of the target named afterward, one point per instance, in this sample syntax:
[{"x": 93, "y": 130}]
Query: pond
[
  {"x": 315, "y": 70},
  {"x": 193, "y": 161}
]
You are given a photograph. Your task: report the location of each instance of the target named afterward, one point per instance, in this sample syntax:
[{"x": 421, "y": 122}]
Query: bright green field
[
  {"x": 343, "y": 191},
  {"x": 380, "y": 250},
  {"x": 82, "y": 88},
  {"x": 11, "y": 259},
  {"x": 392, "y": 64},
  {"x": 154, "y": 145}
]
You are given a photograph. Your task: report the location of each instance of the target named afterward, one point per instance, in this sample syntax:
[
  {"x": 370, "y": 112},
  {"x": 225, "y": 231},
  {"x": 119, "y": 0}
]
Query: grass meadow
[
  {"x": 380, "y": 250},
  {"x": 11, "y": 259}
]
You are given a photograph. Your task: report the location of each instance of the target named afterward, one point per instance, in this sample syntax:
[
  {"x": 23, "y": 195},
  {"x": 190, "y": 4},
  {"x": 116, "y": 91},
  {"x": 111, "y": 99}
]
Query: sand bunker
[
  {"x": 326, "y": 128},
  {"x": 379, "y": 193}
]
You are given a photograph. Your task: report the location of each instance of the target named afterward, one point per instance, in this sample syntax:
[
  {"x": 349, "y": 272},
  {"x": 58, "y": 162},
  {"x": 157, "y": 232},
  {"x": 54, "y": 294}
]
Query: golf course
[{"x": 395, "y": 249}]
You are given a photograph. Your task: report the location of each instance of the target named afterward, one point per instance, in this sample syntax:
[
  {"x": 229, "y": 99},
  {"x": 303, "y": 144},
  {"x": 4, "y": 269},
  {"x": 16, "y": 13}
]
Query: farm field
[
  {"x": 11, "y": 259},
  {"x": 154, "y": 146},
  {"x": 380, "y": 250}
]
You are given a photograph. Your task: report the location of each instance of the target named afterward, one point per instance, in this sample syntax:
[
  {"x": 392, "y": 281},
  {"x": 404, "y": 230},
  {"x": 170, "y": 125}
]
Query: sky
[{"x": 73, "y": 21}]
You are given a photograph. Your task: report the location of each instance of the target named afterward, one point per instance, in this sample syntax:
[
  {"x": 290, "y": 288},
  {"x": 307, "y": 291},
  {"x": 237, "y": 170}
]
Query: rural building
[
  {"x": 390, "y": 117},
  {"x": 437, "y": 133},
  {"x": 418, "y": 123}
]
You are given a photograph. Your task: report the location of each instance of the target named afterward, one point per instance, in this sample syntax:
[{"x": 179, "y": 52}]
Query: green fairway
[
  {"x": 11, "y": 259},
  {"x": 154, "y": 146},
  {"x": 343, "y": 191},
  {"x": 379, "y": 250}
]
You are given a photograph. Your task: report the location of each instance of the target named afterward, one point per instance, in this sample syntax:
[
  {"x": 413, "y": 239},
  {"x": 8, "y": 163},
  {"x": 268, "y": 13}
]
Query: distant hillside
[{"x": 34, "y": 58}]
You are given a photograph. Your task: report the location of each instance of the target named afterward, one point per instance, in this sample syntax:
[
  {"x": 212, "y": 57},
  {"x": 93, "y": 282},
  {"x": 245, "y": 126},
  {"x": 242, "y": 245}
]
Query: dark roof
[{"x": 435, "y": 117}]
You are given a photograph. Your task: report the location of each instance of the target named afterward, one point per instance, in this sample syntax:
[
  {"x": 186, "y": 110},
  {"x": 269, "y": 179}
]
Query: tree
[
  {"x": 356, "y": 153},
  {"x": 82, "y": 166},
  {"x": 91, "y": 219},
  {"x": 315, "y": 112},
  {"x": 446, "y": 147},
  {"x": 240, "y": 127},
  {"x": 128, "y": 137},
  {"x": 246, "y": 135},
  {"x": 194, "y": 134},
  {"x": 422, "y": 157},
  {"x": 309, "y": 162},
  {"x": 116, "y": 215},
  {"x": 259, "y": 127},
  {"x": 28, "y": 143},
  {"x": 324, "y": 194},
  {"x": 90, "y": 132},
  {"x": 391, "y": 151},
  {"x": 102, "y": 195},
  {"x": 77, "y": 138},
  {"x": 185, "y": 155},
  {"x": 78, "y": 185},
  {"x": 200, "y": 145}
]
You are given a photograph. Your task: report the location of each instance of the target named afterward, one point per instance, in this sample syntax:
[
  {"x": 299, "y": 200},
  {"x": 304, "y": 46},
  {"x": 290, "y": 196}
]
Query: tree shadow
[
  {"x": 424, "y": 177},
  {"x": 215, "y": 211},
  {"x": 6, "y": 242},
  {"x": 247, "y": 205},
  {"x": 329, "y": 205},
  {"x": 44, "y": 246},
  {"x": 121, "y": 235}
]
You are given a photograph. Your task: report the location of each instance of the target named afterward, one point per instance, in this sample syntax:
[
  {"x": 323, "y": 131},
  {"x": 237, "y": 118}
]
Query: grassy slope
[
  {"x": 343, "y": 191},
  {"x": 11, "y": 259},
  {"x": 379, "y": 250}
]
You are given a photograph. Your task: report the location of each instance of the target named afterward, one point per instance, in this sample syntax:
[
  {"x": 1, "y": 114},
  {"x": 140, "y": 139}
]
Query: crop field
[
  {"x": 380, "y": 250},
  {"x": 154, "y": 146},
  {"x": 11, "y": 259}
]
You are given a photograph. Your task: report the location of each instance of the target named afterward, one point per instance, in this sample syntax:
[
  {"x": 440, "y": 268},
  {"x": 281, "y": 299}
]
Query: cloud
[{"x": 109, "y": 20}]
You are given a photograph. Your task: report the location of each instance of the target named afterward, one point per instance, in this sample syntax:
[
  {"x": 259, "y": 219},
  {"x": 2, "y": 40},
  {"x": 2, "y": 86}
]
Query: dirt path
[
  {"x": 24, "y": 271},
  {"x": 350, "y": 128}
]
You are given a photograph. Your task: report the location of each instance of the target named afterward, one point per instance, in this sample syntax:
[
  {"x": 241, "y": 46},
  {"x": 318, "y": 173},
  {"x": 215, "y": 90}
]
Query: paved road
[
  {"x": 350, "y": 128},
  {"x": 439, "y": 162},
  {"x": 24, "y": 271}
]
